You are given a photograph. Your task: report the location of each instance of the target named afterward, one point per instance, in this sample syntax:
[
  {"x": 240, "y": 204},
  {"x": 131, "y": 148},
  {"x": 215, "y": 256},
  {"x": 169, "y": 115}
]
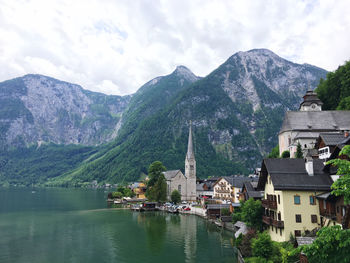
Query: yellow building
[
  {"x": 290, "y": 188},
  {"x": 139, "y": 189}
]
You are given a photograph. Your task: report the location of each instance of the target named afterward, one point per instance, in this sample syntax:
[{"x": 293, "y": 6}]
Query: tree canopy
[
  {"x": 175, "y": 197},
  {"x": 156, "y": 186},
  {"x": 334, "y": 91},
  {"x": 331, "y": 245}
]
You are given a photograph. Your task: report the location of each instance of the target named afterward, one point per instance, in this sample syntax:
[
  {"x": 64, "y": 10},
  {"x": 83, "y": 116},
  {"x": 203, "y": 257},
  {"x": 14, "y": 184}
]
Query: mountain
[
  {"x": 36, "y": 109},
  {"x": 236, "y": 110}
]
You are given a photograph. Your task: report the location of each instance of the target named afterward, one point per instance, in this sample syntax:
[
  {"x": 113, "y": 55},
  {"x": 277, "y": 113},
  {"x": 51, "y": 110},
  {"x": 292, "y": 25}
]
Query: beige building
[
  {"x": 290, "y": 189},
  {"x": 304, "y": 126}
]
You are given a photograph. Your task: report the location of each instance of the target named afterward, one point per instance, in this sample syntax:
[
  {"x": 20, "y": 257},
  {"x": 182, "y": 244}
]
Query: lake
[{"x": 75, "y": 225}]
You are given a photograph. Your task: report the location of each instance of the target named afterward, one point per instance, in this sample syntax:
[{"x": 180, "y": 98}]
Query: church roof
[
  {"x": 309, "y": 98},
  {"x": 190, "y": 152},
  {"x": 316, "y": 121},
  {"x": 171, "y": 174}
]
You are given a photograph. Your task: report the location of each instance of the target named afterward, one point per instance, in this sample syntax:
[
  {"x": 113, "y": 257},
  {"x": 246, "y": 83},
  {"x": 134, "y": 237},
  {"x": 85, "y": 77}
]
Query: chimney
[
  {"x": 346, "y": 134},
  {"x": 309, "y": 164}
]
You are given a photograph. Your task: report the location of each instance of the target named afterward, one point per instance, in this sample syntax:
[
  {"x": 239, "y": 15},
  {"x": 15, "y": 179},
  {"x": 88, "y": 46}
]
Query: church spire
[{"x": 190, "y": 153}]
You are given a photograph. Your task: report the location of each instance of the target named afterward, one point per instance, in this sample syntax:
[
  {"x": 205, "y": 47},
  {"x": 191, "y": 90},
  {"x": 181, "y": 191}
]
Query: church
[
  {"x": 304, "y": 126},
  {"x": 184, "y": 183}
]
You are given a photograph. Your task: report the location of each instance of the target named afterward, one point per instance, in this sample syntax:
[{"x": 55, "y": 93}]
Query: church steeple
[
  {"x": 190, "y": 153},
  {"x": 190, "y": 161}
]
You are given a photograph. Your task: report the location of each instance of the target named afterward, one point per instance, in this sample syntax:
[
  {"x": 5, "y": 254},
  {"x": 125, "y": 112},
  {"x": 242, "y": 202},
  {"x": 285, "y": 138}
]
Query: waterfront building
[
  {"x": 184, "y": 183},
  {"x": 290, "y": 188}
]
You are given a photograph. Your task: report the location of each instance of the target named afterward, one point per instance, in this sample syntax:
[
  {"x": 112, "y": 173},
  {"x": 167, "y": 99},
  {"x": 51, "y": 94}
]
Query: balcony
[
  {"x": 266, "y": 220},
  {"x": 328, "y": 214},
  {"x": 272, "y": 222},
  {"x": 277, "y": 223},
  {"x": 224, "y": 191},
  {"x": 270, "y": 204}
]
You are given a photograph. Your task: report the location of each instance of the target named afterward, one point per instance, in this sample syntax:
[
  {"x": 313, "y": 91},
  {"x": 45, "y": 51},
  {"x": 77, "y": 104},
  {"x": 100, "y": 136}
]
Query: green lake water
[{"x": 75, "y": 225}]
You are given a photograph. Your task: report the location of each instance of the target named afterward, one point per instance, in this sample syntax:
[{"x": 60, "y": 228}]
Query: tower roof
[
  {"x": 190, "y": 152},
  {"x": 309, "y": 98}
]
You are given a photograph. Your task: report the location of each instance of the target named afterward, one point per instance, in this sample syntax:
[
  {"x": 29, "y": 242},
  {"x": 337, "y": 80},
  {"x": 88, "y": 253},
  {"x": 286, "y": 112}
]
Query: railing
[
  {"x": 266, "y": 220},
  {"x": 271, "y": 204},
  {"x": 272, "y": 222},
  {"x": 223, "y": 191},
  {"x": 278, "y": 223},
  {"x": 328, "y": 214}
]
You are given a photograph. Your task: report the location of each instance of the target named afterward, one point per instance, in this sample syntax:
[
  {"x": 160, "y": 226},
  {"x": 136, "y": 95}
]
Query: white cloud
[{"x": 116, "y": 46}]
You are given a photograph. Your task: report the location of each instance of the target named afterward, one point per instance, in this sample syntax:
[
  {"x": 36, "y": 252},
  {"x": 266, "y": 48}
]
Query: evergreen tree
[
  {"x": 286, "y": 154},
  {"x": 275, "y": 152},
  {"x": 299, "y": 152}
]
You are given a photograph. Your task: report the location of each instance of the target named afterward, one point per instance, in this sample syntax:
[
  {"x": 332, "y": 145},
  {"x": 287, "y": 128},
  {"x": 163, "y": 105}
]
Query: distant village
[{"x": 295, "y": 193}]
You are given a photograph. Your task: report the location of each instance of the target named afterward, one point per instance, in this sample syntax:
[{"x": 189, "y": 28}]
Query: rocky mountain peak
[{"x": 184, "y": 72}]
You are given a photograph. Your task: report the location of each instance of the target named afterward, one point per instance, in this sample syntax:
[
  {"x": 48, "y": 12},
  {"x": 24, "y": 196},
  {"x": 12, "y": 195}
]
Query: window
[
  {"x": 313, "y": 218},
  {"x": 298, "y": 218},
  {"x": 337, "y": 209},
  {"x": 279, "y": 216},
  {"x": 297, "y": 199},
  {"x": 281, "y": 231},
  {"x": 179, "y": 188},
  {"x": 279, "y": 201},
  {"x": 297, "y": 233},
  {"x": 324, "y": 205},
  {"x": 312, "y": 200}
]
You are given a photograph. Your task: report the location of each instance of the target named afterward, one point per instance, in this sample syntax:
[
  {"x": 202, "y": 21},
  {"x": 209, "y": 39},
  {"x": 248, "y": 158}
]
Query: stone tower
[{"x": 190, "y": 168}]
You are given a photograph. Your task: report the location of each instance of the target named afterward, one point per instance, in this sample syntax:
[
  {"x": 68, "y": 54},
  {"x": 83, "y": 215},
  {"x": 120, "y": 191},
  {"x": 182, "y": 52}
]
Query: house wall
[
  {"x": 174, "y": 183},
  {"x": 218, "y": 190},
  {"x": 288, "y": 211},
  {"x": 235, "y": 194},
  {"x": 290, "y": 145}
]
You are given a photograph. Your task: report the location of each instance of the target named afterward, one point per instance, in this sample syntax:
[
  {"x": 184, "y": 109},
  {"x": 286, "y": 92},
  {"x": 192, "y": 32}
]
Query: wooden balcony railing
[
  {"x": 271, "y": 204},
  {"x": 328, "y": 214},
  {"x": 223, "y": 191},
  {"x": 272, "y": 222}
]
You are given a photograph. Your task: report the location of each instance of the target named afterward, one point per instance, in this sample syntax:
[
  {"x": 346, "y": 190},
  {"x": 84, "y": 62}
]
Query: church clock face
[{"x": 313, "y": 106}]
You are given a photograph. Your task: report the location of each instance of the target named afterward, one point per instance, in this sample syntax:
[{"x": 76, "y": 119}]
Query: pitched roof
[
  {"x": 190, "y": 152},
  {"x": 332, "y": 139},
  {"x": 237, "y": 181},
  {"x": 316, "y": 121},
  {"x": 290, "y": 174},
  {"x": 171, "y": 174}
]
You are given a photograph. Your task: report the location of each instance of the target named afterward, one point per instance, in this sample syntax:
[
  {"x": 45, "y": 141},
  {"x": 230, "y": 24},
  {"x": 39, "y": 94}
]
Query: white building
[{"x": 304, "y": 126}]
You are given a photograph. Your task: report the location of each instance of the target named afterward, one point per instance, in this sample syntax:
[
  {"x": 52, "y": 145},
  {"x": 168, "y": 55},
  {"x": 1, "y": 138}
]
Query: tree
[
  {"x": 156, "y": 186},
  {"x": 286, "y": 154},
  {"x": 251, "y": 214},
  {"x": 331, "y": 245},
  {"x": 341, "y": 187},
  {"x": 262, "y": 246},
  {"x": 117, "y": 195},
  {"x": 175, "y": 197},
  {"x": 246, "y": 244},
  {"x": 299, "y": 152},
  {"x": 275, "y": 152}
]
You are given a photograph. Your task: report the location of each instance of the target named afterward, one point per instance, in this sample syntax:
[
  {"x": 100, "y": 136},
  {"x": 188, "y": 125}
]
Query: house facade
[{"x": 290, "y": 188}]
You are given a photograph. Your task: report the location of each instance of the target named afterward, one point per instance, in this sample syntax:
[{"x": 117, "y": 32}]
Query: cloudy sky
[{"x": 116, "y": 46}]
